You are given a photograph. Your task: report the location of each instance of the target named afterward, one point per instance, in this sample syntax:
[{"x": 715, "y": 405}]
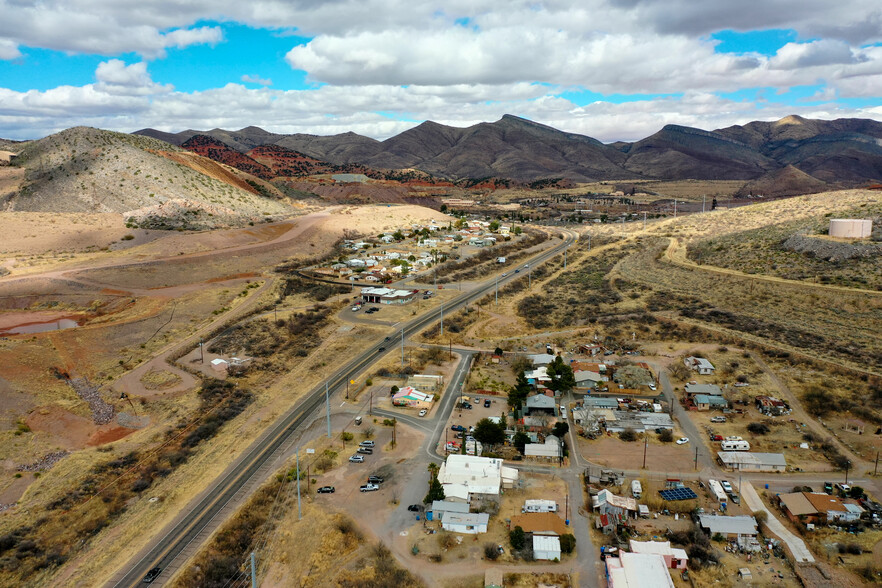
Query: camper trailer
[
  {"x": 539, "y": 506},
  {"x": 736, "y": 446},
  {"x": 636, "y": 489}
]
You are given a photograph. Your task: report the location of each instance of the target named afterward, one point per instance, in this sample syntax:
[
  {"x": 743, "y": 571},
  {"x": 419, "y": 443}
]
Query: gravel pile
[
  {"x": 102, "y": 413},
  {"x": 44, "y": 463}
]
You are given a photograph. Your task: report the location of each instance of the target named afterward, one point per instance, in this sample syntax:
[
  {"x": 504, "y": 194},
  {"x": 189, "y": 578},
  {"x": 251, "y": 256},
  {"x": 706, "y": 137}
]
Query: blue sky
[{"x": 611, "y": 69}]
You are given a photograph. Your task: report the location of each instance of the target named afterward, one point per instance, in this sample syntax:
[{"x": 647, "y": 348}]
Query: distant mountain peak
[{"x": 793, "y": 119}]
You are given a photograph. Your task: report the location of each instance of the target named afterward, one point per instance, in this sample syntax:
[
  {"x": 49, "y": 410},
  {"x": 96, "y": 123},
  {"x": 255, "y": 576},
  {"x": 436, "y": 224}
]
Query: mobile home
[
  {"x": 636, "y": 489},
  {"x": 736, "y": 446}
]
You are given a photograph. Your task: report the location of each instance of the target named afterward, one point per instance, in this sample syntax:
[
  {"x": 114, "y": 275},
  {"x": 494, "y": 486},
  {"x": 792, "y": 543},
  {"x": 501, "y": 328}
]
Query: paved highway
[{"x": 167, "y": 552}]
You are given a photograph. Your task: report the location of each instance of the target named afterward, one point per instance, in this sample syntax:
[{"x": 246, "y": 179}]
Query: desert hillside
[{"x": 90, "y": 170}]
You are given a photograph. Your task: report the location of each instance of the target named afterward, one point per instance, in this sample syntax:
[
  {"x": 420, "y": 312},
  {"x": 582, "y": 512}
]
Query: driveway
[{"x": 797, "y": 546}]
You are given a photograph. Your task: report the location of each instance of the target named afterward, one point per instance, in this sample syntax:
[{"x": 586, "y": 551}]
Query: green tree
[
  {"x": 398, "y": 236},
  {"x": 560, "y": 429},
  {"x": 517, "y": 230},
  {"x": 517, "y": 538},
  {"x": 443, "y": 208},
  {"x": 436, "y": 491},
  {"x": 518, "y": 394},
  {"x": 494, "y": 226},
  {"x": 520, "y": 441},
  {"x": 488, "y": 432},
  {"x": 567, "y": 543},
  {"x": 561, "y": 374}
]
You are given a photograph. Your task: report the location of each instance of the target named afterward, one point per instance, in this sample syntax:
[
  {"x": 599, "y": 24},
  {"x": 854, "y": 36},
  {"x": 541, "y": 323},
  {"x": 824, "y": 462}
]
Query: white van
[
  {"x": 736, "y": 446},
  {"x": 636, "y": 489}
]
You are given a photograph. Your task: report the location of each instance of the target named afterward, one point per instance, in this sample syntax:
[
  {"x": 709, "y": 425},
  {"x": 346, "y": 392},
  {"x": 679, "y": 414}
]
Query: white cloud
[
  {"x": 813, "y": 54},
  {"x": 250, "y": 79},
  {"x": 116, "y": 78}
]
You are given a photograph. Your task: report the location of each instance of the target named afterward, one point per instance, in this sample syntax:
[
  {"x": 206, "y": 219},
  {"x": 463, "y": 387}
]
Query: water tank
[{"x": 849, "y": 228}]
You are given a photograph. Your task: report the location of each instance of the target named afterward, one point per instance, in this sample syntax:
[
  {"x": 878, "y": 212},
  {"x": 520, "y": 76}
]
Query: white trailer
[
  {"x": 539, "y": 506},
  {"x": 736, "y": 446},
  {"x": 717, "y": 490}
]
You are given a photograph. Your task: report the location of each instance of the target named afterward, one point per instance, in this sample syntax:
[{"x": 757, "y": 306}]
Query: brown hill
[
  {"x": 788, "y": 181},
  {"x": 219, "y": 151},
  {"x": 152, "y": 183},
  {"x": 844, "y": 151}
]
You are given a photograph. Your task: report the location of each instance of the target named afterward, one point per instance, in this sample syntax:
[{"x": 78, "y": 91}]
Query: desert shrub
[
  {"x": 491, "y": 552},
  {"x": 761, "y": 516},
  {"x": 758, "y": 428},
  {"x": 567, "y": 543},
  {"x": 347, "y": 436},
  {"x": 628, "y": 435},
  {"x": 853, "y": 549},
  {"x": 446, "y": 540},
  {"x": 666, "y": 436},
  {"x": 517, "y": 538}
]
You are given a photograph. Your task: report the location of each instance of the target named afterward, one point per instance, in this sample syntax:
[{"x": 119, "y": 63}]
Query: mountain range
[{"x": 813, "y": 153}]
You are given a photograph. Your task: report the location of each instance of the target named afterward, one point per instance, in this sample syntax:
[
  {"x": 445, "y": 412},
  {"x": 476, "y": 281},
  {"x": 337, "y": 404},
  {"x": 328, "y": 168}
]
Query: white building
[
  {"x": 480, "y": 475},
  {"x": 700, "y": 365},
  {"x": 470, "y": 523},
  {"x": 637, "y": 570},
  {"x": 546, "y": 547}
]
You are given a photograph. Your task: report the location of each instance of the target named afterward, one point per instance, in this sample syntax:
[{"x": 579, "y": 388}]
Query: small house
[
  {"x": 729, "y": 527},
  {"x": 608, "y": 503},
  {"x": 540, "y": 404},
  {"x": 471, "y": 523},
  {"x": 700, "y": 365},
  {"x": 540, "y": 523}
]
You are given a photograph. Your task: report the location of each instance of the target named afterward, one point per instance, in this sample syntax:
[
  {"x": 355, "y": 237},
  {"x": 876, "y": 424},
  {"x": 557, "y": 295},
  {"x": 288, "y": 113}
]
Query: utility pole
[
  {"x": 402, "y": 348},
  {"x": 847, "y": 465},
  {"x": 645, "y": 443},
  {"x": 703, "y": 200},
  {"x": 497, "y": 290},
  {"x": 371, "y": 404},
  {"x": 876, "y": 466},
  {"x": 201, "y": 351},
  {"x": 696, "y": 458},
  {"x": 299, "y": 513},
  {"x": 328, "y": 409},
  {"x": 565, "y": 259},
  {"x": 253, "y": 571},
  {"x": 442, "y": 319}
]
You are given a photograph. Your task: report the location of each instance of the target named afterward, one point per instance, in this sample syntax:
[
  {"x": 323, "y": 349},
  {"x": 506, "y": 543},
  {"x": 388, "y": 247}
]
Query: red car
[{"x": 716, "y": 437}]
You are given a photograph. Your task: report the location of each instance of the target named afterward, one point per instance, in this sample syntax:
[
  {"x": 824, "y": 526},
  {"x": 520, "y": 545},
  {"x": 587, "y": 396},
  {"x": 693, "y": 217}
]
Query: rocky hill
[
  {"x": 150, "y": 182},
  {"x": 842, "y": 152}
]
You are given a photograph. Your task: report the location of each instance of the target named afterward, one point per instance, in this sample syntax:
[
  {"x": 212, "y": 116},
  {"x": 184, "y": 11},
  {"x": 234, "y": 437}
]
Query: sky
[{"x": 610, "y": 69}]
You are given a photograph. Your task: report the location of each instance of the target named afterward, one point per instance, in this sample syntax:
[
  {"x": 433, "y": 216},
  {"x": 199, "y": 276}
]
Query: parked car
[
  {"x": 504, "y": 274},
  {"x": 152, "y": 575},
  {"x": 424, "y": 412},
  {"x": 718, "y": 419},
  {"x": 457, "y": 428},
  {"x": 326, "y": 490},
  {"x": 379, "y": 349},
  {"x": 727, "y": 487},
  {"x": 517, "y": 271},
  {"x": 366, "y": 450},
  {"x": 367, "y": 443},
  {"x": 369, "y": 487},
  {"x": 356, "y": 458},
  {"x": 682, "y": 440},
  {"x": 466, "y": 405},
  {"x": 486, "y": 403},
  {"x": 375, "y": 480},
  {"x": 716, "y": 437},
  {"x": 828, "y": 487},
  {"x": 354, "y": 309},
  {"x": 414, "y": 508}
]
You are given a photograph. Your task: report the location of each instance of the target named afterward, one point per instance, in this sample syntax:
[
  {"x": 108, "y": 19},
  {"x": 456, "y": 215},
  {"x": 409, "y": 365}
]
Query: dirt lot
[{"x": 611, "y": 451}]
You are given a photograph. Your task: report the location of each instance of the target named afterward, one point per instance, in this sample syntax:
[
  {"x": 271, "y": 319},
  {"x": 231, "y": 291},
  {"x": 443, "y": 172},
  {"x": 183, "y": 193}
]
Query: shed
[
  {"x": 440, "y": 508},
  {"x": 728, "y": 527},
  {"x": 546, "y": 547}
]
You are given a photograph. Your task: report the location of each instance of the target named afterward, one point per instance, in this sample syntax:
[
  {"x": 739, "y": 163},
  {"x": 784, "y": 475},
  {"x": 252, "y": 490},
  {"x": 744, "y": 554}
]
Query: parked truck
[{"x": 736, "y": 446}]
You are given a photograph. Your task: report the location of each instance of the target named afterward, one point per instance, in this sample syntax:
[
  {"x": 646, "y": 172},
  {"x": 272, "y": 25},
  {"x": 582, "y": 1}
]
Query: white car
[
  {"x": 424, "y": 412},
  {"x": 727, "y": 487},
  {"x": 682, "y": 440},
  {"x": 652, "y": 387},
  {"x": 360, "y": 458},
  {"x": 355, "y": 309}
]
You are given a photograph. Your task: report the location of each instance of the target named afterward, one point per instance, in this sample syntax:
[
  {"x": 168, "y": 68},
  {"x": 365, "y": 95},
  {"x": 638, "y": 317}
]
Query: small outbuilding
[
  {"x": 546, "y": 547},
  {"x": 469, "y": 523}
]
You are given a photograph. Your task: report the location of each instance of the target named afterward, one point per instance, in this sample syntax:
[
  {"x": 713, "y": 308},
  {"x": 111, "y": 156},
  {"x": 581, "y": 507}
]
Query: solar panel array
[{"x": 678, "y": 494}]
